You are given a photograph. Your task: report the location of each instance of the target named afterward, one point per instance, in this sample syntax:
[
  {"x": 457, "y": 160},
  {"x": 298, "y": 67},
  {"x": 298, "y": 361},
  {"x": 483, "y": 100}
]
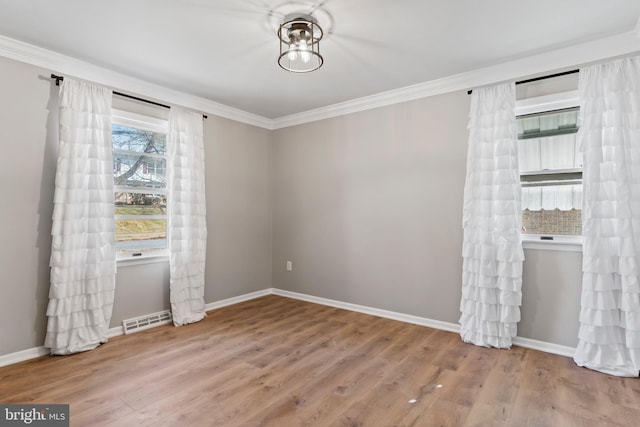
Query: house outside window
[
  {"x": 550, "y": 168},
  {"x": 140, "y": 184}
]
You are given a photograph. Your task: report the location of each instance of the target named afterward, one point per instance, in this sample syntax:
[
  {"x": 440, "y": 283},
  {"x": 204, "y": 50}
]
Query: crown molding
[
  {"x": 68, "y": 66},
  {"x": 572, "y": 56}
]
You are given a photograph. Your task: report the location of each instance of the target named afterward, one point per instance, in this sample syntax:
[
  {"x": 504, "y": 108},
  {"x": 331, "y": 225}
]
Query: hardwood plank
[{"x": 275, "y": 361}]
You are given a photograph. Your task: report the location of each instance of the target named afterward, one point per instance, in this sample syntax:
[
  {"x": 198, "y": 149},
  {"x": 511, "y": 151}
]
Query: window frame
[
  {"x": 153, "y": 124},
  {"x": 535, "y": 105}
]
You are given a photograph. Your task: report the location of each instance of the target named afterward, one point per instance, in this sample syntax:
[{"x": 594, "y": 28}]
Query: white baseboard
[
  {"x": 422, "y": 321},
  {"x": 547, "y": 347},
  {"x": 118, "y": 330},
  {"x": 32, "y": 353},
  {"x": 561, "y": 350},
  {"x": 407, "y": 318},
  {"x": 115, "y": 332},
  {"x": 238, "y": 299},
  {"x": 21, "y": 356}
]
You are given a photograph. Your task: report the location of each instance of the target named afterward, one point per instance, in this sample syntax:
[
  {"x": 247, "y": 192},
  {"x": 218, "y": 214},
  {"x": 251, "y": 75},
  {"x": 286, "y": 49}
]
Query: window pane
[
  {"x": 139, "y": 170},
  {"x": 552, "y": 209},
  {"x": 553, "y": 152},
  {"x": 141, "y": 234},
  {"x": 548, "y": 124},
  {"x": 138, "y": 140},
  {"x": 550, "y": 164},
  {"x": 560, "y": 222},
  {"x": 140, "y": 204}
]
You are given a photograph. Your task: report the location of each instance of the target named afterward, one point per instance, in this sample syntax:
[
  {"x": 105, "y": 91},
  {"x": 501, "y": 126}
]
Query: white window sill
[
  {"x": 559, "y": 243},
  {"x": 129, "y": 260}
]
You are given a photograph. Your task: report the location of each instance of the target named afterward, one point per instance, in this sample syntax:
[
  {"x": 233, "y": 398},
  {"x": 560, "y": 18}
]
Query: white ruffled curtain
[
  {"x": 187, "y": 228},
  {"x": 492, "y": 216},
  {"x": 83, "y": 255},
  {"x": 609, "y": 336}
]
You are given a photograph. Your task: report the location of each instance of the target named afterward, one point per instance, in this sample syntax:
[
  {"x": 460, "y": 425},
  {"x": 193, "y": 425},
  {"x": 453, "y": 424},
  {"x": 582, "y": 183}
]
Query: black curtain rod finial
[{"x": 58, "y": 79}]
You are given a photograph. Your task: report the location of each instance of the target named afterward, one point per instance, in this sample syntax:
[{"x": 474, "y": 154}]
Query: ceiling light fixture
[{"x": 300, "y": 37}]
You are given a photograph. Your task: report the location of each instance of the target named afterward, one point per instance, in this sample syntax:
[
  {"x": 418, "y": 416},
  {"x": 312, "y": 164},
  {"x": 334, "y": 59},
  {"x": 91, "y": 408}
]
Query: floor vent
[{"x": 141, "y": 323}]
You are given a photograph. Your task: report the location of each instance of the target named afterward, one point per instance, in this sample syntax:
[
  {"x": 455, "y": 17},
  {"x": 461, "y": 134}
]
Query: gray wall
[
  {"x": 238, "y": 216},
  {"x": 238, "y": 209},
  {"x": 368, "y": 207},
  {"x": 551, "y": 288},
  {"x": 28, "y": 114}
]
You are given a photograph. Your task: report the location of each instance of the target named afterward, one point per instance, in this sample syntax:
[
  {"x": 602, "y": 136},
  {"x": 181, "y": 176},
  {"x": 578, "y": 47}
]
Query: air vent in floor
[{"x": 141, "y": 323}]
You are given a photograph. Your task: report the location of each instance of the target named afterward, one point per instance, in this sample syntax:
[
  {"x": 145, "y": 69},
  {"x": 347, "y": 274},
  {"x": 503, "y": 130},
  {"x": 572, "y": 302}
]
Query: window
[
  {"x": 140, "y": 184},
  {"x": 550, "y": 169}
]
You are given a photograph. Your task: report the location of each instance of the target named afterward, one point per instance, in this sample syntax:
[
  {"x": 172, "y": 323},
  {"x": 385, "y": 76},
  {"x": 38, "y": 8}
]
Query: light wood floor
[{"x": 274, "y": 361}]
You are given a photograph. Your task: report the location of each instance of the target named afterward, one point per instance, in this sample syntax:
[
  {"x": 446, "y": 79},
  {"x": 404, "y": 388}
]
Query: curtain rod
[
  {"x": 148, "y": 101},
  {"x": 535, "y": 79}
]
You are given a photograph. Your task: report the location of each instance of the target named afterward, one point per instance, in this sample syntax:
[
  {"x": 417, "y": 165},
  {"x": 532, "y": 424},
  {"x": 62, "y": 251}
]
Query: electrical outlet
[{"x": 289, "y": 266}]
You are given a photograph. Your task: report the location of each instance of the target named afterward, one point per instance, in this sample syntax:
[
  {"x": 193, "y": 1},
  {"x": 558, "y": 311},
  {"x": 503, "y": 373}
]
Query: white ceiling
[{"x": 225, "y": 51}]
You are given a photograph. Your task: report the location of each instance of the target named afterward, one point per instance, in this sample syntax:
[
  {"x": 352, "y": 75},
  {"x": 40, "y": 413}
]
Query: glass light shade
[{"x": 300, "y": 37}]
